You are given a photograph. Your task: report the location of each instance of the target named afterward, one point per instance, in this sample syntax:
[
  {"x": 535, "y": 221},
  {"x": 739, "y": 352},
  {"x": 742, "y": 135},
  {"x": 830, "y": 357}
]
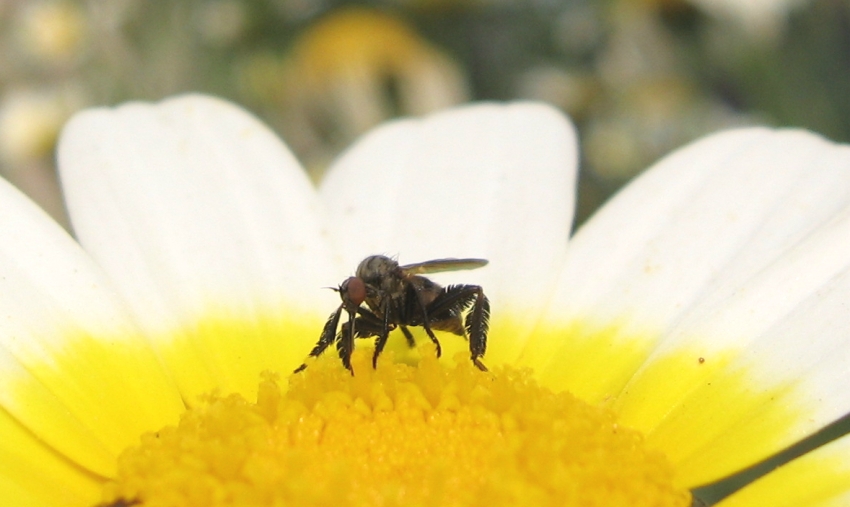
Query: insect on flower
[{"x": 398, "y": 296}]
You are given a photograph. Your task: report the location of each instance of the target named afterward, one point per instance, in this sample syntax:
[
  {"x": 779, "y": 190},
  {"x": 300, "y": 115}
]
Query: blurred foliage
[{"x": 639, "y": 77}]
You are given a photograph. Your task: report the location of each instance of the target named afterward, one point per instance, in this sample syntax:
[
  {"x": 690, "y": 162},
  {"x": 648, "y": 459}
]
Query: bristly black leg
[
  {"x": 477, "y": 320},
  {"x": 477, "y": 325},
  {"x": 451, "y": 302},
  {"x": 326, "y": 338},
  {"x": 366, "y": 324},
  {"x": 356, "y": 327},
  {"x": 426, "y": 323},
  {"x": 345, "y": 343},
  {"x": 381, "y": 341},
  {"x": 411, "y": 342}
]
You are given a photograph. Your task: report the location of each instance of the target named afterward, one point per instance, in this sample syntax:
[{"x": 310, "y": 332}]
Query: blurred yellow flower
[
  {"x": 54, "y": 32},
  {"x": 349, "y": 71}
]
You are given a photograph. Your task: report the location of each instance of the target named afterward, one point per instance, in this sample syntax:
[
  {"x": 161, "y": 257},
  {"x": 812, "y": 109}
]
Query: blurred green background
[{"x": 638, "y": 77}]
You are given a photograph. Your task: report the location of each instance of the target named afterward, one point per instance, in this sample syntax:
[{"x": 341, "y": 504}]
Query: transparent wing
[{"x": 439, "y": 265}]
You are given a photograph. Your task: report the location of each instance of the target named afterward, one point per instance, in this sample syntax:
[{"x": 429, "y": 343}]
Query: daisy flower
[{"x": 694, "y": 327}]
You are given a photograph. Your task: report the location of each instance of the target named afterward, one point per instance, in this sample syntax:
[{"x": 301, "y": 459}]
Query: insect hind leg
[
  {"x": 477, "y": 325},
  {"x": 445, "y": 313}
]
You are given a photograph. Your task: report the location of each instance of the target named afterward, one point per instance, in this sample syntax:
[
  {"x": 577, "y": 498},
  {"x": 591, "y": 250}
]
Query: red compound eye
[{"x": 354, "y": 290}]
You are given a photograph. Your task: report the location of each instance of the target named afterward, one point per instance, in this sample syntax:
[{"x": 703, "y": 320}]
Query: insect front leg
[
  {"x": 326, "y": 338},
  {"x": 383, "y": 335},
  {"x": 366, "y": 324}
]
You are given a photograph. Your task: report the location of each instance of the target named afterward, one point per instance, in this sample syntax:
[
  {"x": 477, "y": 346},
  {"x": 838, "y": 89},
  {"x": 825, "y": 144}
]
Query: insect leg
[
  {"x": 345, "y": 343},
  {"x": 477, "y": 325},
  {"x": 326, "y": 338},
  {"x": 453, "y": 300},
  {"x": 409, "y": 336},
  {"x": 426, "y": 323},
  {"x": 366, "y": 324},
  {"x": 381, "y": 341}
]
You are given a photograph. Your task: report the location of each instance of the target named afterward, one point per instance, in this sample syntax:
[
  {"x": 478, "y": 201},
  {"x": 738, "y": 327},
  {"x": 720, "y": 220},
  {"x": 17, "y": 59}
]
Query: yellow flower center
[{"x": 420, "y": 435}]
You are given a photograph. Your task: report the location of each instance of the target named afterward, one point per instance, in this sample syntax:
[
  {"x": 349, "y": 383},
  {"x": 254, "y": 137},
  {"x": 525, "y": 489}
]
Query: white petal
[
  {"x": 709, "y": 300},
  {"x": 67, "y": 345},
  {"x": 782, "y": 333},
  {"x": 200, "y": 213},
  {"x": 712, "y": 214},
  {"x": 491, "y": 181}
]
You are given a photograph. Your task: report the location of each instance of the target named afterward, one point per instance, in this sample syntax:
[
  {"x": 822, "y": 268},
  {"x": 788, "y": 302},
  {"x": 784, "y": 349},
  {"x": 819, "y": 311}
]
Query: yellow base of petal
[
  {"x": 707, "y": 408},
  {"x": 399, "y": 435},
  {"x": 818, "y": 479}
]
